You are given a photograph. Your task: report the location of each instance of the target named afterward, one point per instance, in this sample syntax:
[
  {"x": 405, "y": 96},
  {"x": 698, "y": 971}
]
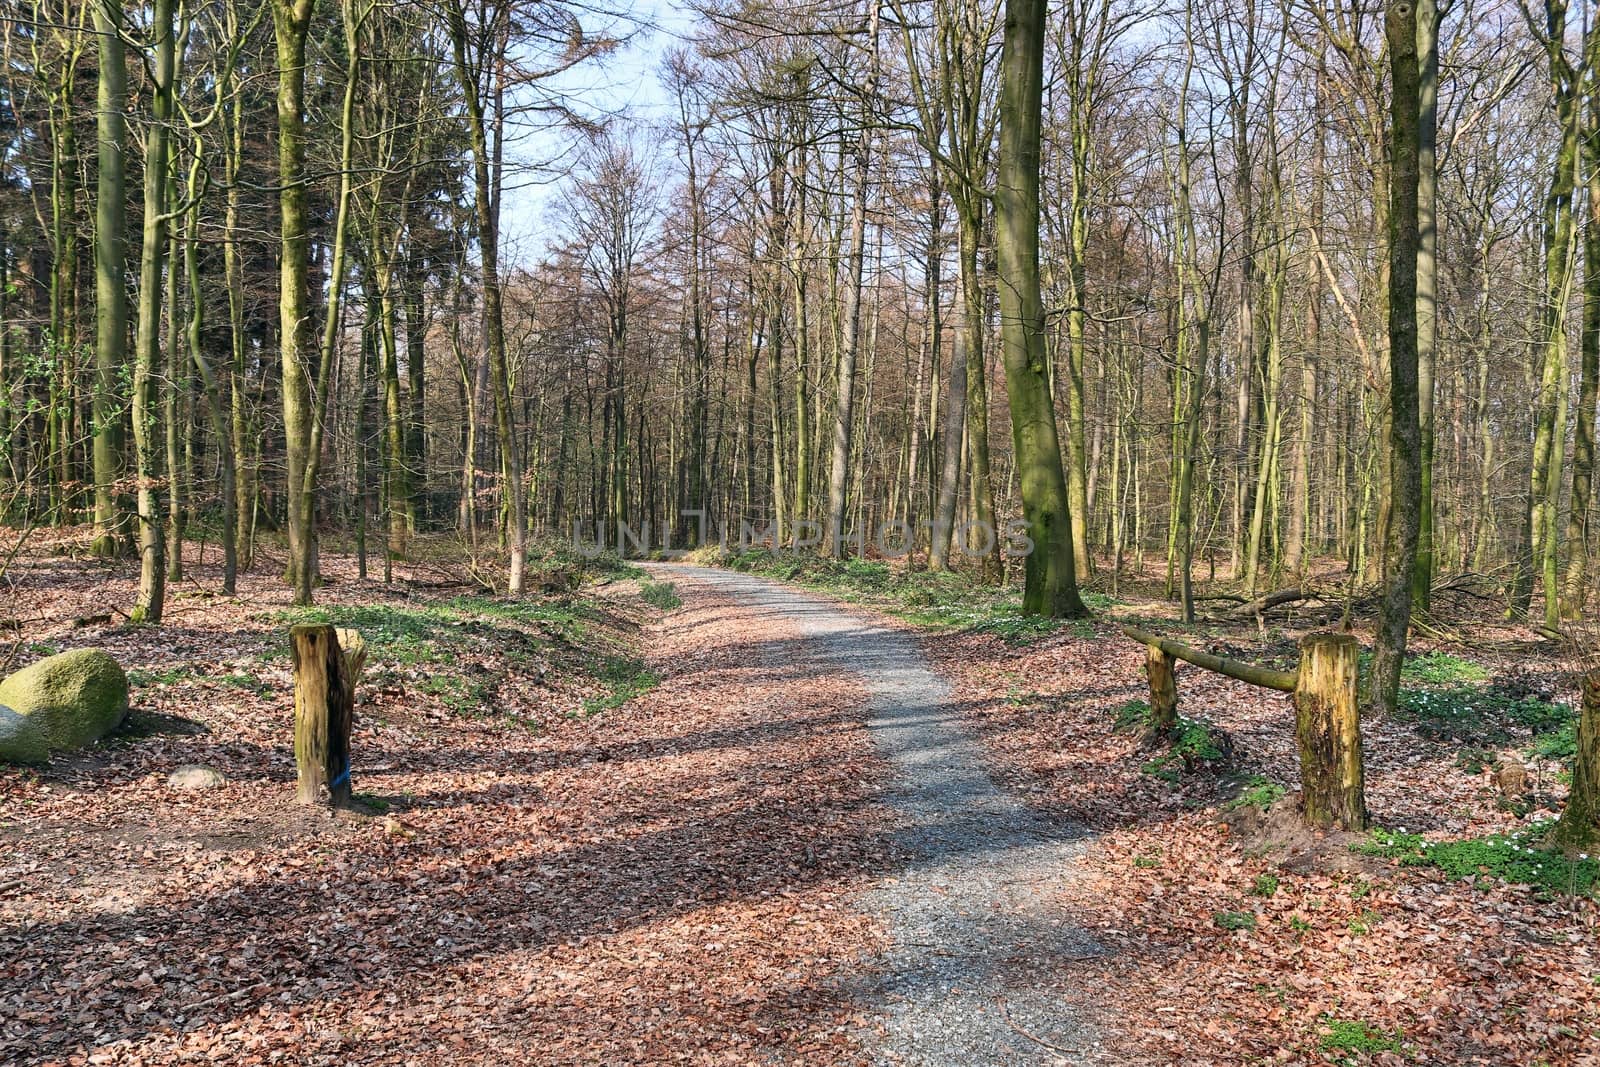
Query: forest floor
[{"x": 644, "y": 821}]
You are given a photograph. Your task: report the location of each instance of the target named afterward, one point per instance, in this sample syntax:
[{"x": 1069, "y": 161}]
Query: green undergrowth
[
  {"x": 1450, "y": 699},
  {"x": 1193, "y": 743},
  {"x": 947, "y": 600},
  {"x": 662, "y": 595},
  {"x": 1517, "y": 857},
  {"x": 1258, "y": 792},
  {"x": 625, "y": 677},
  {"x": 460, "y": 651},
  {"x": 1350, "y": 1039}
]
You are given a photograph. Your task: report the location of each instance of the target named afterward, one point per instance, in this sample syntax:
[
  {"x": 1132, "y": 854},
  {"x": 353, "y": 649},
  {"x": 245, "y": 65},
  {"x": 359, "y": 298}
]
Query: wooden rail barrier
[{"x": 1327, "y": 714}]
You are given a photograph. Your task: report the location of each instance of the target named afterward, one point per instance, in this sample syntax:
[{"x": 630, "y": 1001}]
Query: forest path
[{"x": 972, "y": 974}]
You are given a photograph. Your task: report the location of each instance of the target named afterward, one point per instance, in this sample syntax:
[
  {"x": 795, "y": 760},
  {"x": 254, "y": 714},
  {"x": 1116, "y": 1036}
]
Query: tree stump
[
  {"x": 1578, "y": 829},
  {"x": 1159, "y": 668},
  {"x": 322, "y": 709},
  {"x": 1328, "y": 732},
  {"x": 354, "y": 648}
]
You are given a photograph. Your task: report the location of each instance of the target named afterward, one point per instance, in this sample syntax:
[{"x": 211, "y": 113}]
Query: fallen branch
[
  {"x": 1266, "y": 603},
  {"x": 1041, "y": 1042}
]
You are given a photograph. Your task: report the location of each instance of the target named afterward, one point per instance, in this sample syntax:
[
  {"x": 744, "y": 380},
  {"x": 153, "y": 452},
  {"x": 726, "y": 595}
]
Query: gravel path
[{"x": 973, "y": 976}]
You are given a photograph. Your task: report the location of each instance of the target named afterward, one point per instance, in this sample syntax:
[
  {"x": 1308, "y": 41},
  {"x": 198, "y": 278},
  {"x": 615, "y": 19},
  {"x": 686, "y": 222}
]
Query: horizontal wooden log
[{"x": 1283, "y": 681}]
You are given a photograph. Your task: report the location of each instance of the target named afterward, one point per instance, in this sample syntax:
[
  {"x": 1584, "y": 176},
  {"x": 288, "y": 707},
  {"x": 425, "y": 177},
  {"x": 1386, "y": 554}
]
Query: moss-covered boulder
[{"x": 61, "y": 703}]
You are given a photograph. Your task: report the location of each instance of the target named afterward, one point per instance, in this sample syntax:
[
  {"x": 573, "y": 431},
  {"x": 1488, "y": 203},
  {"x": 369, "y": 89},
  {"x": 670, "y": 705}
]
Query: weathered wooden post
[
  {"x": 1159, "y": 668},
  {"x": 1328, "y": 732},
  {"x": 323, "y": 699}
]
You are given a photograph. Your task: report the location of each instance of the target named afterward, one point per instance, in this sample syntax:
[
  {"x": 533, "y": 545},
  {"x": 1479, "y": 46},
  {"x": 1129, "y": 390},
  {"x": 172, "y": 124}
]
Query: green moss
[
  {"x": 67, "y": 700},
  {"x": 1265, "y": 885},
  {"x": 1235, "y": 920}
]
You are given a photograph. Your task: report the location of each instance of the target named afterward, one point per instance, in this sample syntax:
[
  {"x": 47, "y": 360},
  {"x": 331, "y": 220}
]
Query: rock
[
  {"x": 196, "y": 776},
  {"x": 21, "y": 740},
  {"x": 60, "y": 703}
]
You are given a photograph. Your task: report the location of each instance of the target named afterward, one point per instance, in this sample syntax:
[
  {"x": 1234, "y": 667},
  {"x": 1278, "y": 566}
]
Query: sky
[{"x": 625, "y": 82}]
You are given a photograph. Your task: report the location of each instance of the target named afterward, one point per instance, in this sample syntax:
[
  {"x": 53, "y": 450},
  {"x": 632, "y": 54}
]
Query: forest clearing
[{"x": 926, "y": 532}]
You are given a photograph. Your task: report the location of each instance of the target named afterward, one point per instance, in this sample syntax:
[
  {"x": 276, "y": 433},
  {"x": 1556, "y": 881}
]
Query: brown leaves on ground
[
  {"x": 668, "y": 881},
  {"x": 1464, "y": 973}
]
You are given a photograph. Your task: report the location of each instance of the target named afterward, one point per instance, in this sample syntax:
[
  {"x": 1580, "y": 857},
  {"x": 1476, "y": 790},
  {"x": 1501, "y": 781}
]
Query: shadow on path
[{"x": 973, "y": 972}]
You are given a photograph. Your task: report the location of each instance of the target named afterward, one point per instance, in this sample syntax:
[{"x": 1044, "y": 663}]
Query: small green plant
[
  {"x": 1132, "y": 716},
  {"x": 1265, "y": 885},
  {"x": 1258, "y": 792},
  {"x": 625, "y": 677},
  {"x": 1559, "y": 744},
  {"x": 167, "y": 676},
  {"x": 660, "y": 595},
  {"x": 1354, "y": 1037},
  {"x": 1148, "y": 860},
  {"x": 1193, "y": 744},
  {"x": 1299, "y": 925},
  {"x": 1235, "y": 920},
  {"x": 1363, "y": 923}
]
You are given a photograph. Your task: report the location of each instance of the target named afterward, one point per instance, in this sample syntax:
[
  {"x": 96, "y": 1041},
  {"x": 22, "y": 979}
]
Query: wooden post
[
  {"x": 1328, "y": 732},
  {"x": 322, "y": 706},
  {"x": 1158, "y": 667}
]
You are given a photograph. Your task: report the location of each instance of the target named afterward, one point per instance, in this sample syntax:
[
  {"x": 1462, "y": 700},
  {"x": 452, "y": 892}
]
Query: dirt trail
[{"x": 976, "y": 946}]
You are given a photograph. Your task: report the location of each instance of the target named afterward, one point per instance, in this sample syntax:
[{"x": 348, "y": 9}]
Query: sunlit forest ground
[{"x": 596, "y": 822}]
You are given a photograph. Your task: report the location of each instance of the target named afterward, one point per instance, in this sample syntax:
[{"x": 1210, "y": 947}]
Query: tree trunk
[
  {"x": 1427, "y": 280},
  {"x": 1051, "y": 586},
  {"x": 843, "y": 423},
  {"x": 1578, "y": 829},
  {"x": 1576, "y": 590},
  {"x": 147, "y": 336},
  {"x": 324, "y": 696},
  {"x": 110, "y": 254},
  {"x": 1328, "y": 731},
  {"x": 1400, "y": 544},
  {"x": 292, "y": 21}
]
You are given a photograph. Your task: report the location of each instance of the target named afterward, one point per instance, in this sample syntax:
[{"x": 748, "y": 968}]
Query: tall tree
[
  {"x": 1051, "y": 585},
  {"x": 1405, "y": 445},
  {"x": 110, "y": 256},
  {"x": 291, "y": 21},
  {"x": 147, "y": 370}
]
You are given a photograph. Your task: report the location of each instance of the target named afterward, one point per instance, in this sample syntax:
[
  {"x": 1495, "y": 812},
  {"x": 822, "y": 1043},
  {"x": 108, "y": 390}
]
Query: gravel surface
[{"x": 978, "y": 942}]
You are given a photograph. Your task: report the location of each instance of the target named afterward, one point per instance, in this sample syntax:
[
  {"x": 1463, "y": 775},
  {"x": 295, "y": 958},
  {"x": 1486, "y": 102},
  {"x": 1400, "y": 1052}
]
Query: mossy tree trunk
[
  {"x": 1402, "y": 530},
  {"x": 110, "y": 253},
  {"x": 1050, "y": 578},
  {"x": 147, "y": 369},
  {"x": 1578, "y": 829},
  {"x": 292, "y": 22}
]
